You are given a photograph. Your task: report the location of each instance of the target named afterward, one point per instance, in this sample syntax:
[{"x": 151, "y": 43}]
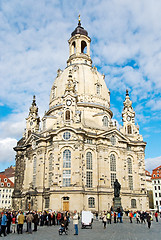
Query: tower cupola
[{"x": 79, "y": 46}]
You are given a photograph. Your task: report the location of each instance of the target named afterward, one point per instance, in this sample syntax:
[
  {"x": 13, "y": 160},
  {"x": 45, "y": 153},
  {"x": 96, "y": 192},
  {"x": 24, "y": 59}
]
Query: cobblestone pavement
[{"x": 119, "y": 231}]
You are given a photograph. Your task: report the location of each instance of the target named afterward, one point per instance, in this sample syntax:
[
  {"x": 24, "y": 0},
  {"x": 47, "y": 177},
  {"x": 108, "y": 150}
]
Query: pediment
[
  {"x": 116, "y": 133},
  {"x": 31, "y": 138}
]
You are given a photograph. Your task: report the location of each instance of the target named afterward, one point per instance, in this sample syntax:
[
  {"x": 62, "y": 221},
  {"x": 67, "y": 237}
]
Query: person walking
[
  {"x": 130, "y": 216},
  {"x": 149, "y": 220},
  {"x": 4, "y": 224},
  {"x": 104, "y": 219},
  {"x": 29, "y": 219},
  {"x": 75, "y": 222},
  {"x": 137, "y": 217},
  {"x": 108, "y": 217},
  {"x": 21, "y": 220}
]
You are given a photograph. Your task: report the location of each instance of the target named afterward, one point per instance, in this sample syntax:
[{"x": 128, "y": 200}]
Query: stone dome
[{"x": 89, "y": 85}]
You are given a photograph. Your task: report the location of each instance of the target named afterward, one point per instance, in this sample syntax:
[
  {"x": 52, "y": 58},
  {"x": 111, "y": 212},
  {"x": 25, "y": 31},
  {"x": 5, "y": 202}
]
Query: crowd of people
[
  {"x": 13, "y": 222},
  {"x": 140, "y": 217}
]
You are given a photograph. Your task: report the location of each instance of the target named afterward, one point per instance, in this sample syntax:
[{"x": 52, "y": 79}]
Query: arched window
[
  {"x": 105, "y": 121},
  {"x": 34, "y": 171},
  {"x": 129, "y": 164},
  {"x": 91, "y": 202},
  {"x": 51, "y": 162},
  {"x": 129, "y": 129},
  {"x": 67, "y": 115},
  {"x": 34, "y": 165},
  {"x": 133, "y": 203},
  {"x": 83, "y": 47},
  {"x": 89, "y": 160},
  {"x": 89, "y": 173},
  {"x": 130, "y": 178},
  {"x": 112, "y": 163},
  {"x": 67, "y": 159},
  {"x": 73, "y": 48}
]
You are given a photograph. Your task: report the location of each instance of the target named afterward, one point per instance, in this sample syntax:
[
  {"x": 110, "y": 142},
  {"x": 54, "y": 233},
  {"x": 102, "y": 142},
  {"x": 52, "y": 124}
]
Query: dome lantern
[{"x": 79, "y": 46}]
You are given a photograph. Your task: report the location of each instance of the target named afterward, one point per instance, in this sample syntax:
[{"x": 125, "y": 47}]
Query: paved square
[{"x": 124, "y": 231}]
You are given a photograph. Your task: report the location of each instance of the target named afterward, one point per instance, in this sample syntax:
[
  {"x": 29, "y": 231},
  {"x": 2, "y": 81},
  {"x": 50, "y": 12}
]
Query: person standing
[
  {"x": 29, "y": 219},
  {"x": 21, "y": 220},
  {"x": 114, "y": 216},
  {"x": 75, "y": 222},
  {"x": 14, "y": 223},
  {"x": 35, "y": 221},
  {"x": 4, "y": 224},
  {"x": 156, "y": 216}
]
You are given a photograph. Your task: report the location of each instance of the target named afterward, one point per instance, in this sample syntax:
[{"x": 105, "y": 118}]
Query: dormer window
[
  {"x": 105, "y": 121},
  {"x": 98, "y": 89},
  {"x": 8, "y": 184},
  {"x": 5, "y": 180},
  {"x": 129, "y": 129},
  {"x": 2, "y": 184}
]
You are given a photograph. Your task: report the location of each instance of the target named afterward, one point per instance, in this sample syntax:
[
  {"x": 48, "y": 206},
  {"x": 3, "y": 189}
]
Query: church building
[{"x": 72, "y": 161}]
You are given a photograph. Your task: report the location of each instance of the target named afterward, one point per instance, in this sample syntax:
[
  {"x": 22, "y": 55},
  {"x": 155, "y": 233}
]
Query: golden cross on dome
[{"x": 79, "y": 20}]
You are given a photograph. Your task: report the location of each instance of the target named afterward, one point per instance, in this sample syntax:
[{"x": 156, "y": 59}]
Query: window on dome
[
  {"x": 98, "y": 88},
  {"x": 83, "y": 47},
  {"x": 105, "y": 121},
  {"x": 67, "y": 115}
]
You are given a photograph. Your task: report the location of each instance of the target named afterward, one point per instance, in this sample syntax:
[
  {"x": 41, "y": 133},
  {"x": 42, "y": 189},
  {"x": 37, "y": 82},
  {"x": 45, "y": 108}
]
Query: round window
[{"x": 66, "y": 135}]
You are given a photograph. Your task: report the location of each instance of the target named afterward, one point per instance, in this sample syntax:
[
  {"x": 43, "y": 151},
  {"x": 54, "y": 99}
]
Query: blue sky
[{"x": 126, "y": 47}]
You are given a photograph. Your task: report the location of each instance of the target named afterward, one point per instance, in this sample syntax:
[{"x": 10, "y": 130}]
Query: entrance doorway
[{"x": 65, "y": 203}]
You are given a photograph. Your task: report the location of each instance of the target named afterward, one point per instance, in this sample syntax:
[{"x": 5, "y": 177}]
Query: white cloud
[
  {"x": 33, "y": 45},
  {"x": 6, "y": 150},
  {"x": 151, "y": 163}
]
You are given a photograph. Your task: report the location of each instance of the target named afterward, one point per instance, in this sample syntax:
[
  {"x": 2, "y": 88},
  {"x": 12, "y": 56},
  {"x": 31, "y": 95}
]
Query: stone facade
[{"x": 73, "y": 161}]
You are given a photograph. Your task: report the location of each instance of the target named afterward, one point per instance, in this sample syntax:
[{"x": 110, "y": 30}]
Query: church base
[{"x": 117, "y": 204}]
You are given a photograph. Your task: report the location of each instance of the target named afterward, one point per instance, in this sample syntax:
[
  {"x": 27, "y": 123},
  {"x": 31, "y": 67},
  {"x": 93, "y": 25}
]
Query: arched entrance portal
[{"x": 65, "y": 203}]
